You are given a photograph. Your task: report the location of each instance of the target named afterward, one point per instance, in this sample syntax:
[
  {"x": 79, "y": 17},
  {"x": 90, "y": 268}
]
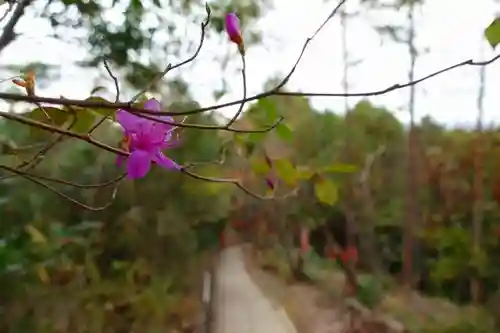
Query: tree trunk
[
  {"x": 367, "y": 235},
  {"x": 478, "y": 185},
  {"x": 350, "y": 274},
  {"x": 412, "y": 208}
]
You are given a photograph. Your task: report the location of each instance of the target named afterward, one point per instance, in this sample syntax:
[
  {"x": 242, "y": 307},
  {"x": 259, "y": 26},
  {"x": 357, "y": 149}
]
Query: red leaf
[{"x": 350, "y": 254}]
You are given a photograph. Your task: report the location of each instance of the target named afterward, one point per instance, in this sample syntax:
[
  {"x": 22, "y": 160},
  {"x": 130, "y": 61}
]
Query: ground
[
  {"x": 250, "y": 300},
  {"x": 240, "y": 306}
]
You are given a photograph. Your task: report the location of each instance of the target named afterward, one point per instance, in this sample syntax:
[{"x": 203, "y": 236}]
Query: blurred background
[{"x": 427, "y": 159}]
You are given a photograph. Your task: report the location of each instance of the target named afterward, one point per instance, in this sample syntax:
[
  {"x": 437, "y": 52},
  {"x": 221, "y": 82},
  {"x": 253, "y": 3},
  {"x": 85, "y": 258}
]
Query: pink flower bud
[
  {"x": 270, "y": 183},
  {"x": 234, "y": 32}
]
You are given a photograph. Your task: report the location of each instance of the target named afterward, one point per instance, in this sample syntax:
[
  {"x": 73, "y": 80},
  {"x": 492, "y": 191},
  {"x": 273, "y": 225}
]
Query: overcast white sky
[{"x": 451, "y": 29}]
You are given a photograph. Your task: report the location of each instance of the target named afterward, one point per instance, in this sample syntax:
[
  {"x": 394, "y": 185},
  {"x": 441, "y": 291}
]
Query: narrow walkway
[{"x": 241, "y": 307}]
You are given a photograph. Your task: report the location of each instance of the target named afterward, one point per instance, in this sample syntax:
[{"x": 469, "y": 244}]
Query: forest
[{"x": 86, "y": 248}]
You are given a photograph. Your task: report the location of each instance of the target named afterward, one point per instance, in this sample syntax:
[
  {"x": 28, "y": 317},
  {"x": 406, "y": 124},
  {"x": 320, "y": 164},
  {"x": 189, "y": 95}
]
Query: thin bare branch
[
  {"x": 8, "y": 10},
  {"x": 306, "y": 44},
  {"x": 117, "y": 98},
  {"x": 239, "y": 184},
  {"x": 54, "y": 129},
  {"x": 115, "y": 80},
  {"x": 398, "y": 86},
  {"x": 135, "y": 110},
  {"x": 38, "y": 156},
  {"x": 169, "y": 67},
  {"x": 240, "y": 109},
  {"x": 8, "y": 34},
  {"x": 64, "y": 182},
  {"x": 61, "y": 194}
]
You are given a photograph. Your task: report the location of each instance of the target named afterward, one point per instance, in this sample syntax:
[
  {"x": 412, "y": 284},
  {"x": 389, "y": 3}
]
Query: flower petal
[
  {"x": 129, "y": 121},
  {"x": 171, "y": 141},
  {"x": 152, "y": 105},
  {"x": 138, "y": 164},
  {"x": 233, "y": 28},
  {"x": 156, "y": 135},
  {"x": 165, "y": 162}
]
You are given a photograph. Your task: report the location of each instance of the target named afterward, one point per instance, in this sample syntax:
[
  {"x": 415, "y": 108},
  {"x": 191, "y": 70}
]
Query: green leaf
[
  {"x": 137, "y": 5},
  {"x": 47, "y": 115},
  {"x": 479, "y": 262},
  {"x": 286, "y": 171},
  {"x": 84, "y": 121},
  {"x": 269, "y": 107},
  {"x": 42, "y": 273},
  {"x": 7, "y": 146},
  {"x": 35, "y": 234},
  {"x": 119, "y": 265},
  {"x": 249, "y": 148},
  {"x": 284, "y": 132},
  {"x": 326, "y": 191},
  {"x": 243, "y": 146},
  {"x": 141, "y": 100},
  {"x": 305, "y": 173},
  {"x": 492, "y": 33},
  {"x": 259, "y": 166},
  {"x": 256, "y": 137},
  {"x": 87, "y": 225},
  {"x": 84, "y": 118},
  {"x": 341, "y": 168},
  {"x": 101, "y": 111},
  {"x": 91, "y": 269}
]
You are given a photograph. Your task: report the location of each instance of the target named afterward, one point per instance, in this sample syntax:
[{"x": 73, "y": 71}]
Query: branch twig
[
  {"x": 8, "y": 34},
  {"x": 35, "y": 180},
  {"x": 169, "y": 67}
]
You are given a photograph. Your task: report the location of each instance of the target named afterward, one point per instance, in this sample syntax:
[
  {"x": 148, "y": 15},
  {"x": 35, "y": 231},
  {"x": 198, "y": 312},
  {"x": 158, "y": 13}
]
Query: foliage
[
  {"x": 83, "y": 250},
  {"x": 492, "y": 33},
  {"x": 120, "y": 259},
  {"x": 370, "y": 292},
  {"x": 449, "y": 259}
]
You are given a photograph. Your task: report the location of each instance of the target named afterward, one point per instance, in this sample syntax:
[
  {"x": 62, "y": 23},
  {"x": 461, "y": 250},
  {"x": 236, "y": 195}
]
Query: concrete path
[{"x": 241, "y": 307}]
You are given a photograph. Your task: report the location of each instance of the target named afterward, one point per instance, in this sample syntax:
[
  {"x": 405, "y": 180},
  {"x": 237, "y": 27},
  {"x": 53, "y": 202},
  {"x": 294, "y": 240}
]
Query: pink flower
[
  {"x": 270, "y": 183},
  {"x": 145, "y": 139},
  {"x": 233, "y": 28},
  {"x": 234, "y": 32}
]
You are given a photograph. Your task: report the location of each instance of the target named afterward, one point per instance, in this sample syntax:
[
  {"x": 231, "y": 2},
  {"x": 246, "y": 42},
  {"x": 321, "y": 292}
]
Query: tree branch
[{"x": 8, "y": 34}]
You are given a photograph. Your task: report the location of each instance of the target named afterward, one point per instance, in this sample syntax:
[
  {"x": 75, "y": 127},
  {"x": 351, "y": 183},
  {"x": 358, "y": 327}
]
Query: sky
[{"x": 451, "y": 31}]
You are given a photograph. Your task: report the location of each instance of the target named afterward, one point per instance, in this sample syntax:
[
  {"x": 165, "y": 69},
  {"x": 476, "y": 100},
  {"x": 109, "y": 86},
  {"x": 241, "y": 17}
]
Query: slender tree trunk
[
  {"x": 412, "y": 209},
  {"x": 350, "y": 234},
  {"x": 478, "y": 186},
  {"x": 345, "y": 57},
  {"x": 368, "y": 236},
  {"x": 350, "y": 273},
  {"x": 351, "y": 229}
]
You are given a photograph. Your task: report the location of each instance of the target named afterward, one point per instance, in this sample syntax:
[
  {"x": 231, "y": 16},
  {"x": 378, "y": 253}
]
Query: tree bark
[
  {"x": 412, "y": 209},
  {"x": 478, "y": 185},
  {"x": 368, "y": 237}
]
